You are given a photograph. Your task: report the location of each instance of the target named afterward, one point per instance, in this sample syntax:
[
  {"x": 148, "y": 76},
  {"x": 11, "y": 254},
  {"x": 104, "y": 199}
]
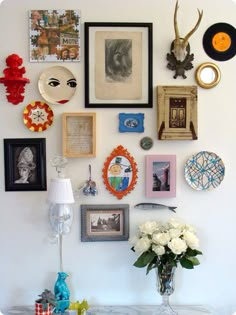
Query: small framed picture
[
  {"x": 79, "y": 134},
  {"x": 177, "y": 112},
  {"x": 54, "y": 35},
  {"x": 25, "y": 164},
  {"x": 160, "y": 176},
  {"x": 131, "y": 122},
  {"x": 104, "y": 222},
  {"x": 118, "y": 65}
]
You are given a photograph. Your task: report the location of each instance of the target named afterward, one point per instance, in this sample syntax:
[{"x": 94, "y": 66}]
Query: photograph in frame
[
  {"x": 25, "y": 164},
  {"x": 118, "y": 65},
  {"x": 160, "y": 176},
  {"x": 104, "y": 222}
]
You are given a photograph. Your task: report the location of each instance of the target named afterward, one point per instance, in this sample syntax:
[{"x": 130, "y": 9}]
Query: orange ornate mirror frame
[{"x": 120, "y": 172}]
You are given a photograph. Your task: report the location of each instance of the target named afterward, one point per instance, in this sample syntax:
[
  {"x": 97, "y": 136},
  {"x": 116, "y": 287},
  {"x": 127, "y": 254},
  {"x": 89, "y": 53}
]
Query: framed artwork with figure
[
  {"x": 160, "y": 176},
  {"x": 25, "y": 164},
  {"x": 118, "y": 65}
]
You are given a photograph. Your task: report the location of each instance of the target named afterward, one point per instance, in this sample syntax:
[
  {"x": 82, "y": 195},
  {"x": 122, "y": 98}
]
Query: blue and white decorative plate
[{"x": 204, "y": 171}]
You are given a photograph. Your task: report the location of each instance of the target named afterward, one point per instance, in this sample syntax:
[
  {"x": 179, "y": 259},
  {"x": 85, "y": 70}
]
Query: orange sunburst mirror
[{"x": 120, "y": 172}]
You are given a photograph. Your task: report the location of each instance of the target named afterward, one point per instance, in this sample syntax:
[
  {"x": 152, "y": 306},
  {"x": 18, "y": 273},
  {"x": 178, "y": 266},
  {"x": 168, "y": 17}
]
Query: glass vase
[{"x": 165, "y": 286}]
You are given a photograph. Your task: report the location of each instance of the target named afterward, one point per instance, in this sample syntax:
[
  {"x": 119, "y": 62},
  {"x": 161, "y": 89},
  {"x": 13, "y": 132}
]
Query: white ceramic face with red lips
[{"x": 57, "y": 85}]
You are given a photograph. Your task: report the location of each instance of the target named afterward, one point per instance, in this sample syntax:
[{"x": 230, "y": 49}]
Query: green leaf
[
  {"x": 193, "y": 252},
  {"x": 186, "y": 263},
  {"x": 144, "y": 259},
  {"x": 194, "y": 260}
]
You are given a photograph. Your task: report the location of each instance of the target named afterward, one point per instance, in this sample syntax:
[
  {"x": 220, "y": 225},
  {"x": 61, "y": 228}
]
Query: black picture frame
[
  {"x": 28, "y": 156},
  {"x": 104, "y": 44},
  {"x": 104, "y": 222}
]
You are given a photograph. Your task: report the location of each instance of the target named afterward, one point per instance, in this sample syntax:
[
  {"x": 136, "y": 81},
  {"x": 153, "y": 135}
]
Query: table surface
[
  {"x": 120, "y": 310},
  {"x": 146, "y": 310}
]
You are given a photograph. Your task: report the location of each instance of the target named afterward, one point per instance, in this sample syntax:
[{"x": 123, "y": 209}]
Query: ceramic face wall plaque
[
  {"x": 120, "y": 172},
  {"x": 57, "y": 85}
]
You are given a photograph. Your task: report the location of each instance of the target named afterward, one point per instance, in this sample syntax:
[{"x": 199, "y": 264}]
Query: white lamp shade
[{"x": 60, "y": 191}]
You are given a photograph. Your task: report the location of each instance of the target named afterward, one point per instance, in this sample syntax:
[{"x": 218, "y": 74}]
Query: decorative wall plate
[
  {"x": 57, "y": 85},
  {"x": 204, "y": 171},
  {"x": 120, "y": 172},
  {"x": 38, "y": 116}
]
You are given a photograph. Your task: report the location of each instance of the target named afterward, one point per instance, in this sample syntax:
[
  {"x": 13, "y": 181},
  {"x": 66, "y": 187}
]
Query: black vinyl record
[{"x": 219, "y": 41}]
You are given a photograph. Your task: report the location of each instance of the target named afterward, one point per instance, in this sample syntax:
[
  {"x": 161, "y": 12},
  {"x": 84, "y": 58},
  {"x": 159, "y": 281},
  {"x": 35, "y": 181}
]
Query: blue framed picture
[{"x": 131, "y": 122}]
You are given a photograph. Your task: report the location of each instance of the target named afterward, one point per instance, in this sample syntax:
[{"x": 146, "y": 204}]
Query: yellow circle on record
[{"x": 221, "y": 41}]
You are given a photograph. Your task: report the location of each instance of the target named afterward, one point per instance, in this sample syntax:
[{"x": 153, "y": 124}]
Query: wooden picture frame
[
  {"x": 120, "y": 172},
  {"x": 118, "y": 65},
  {"x": 79, "y": 135},
  {"x": 25, "y": 164},
  {"x": 160, "y": 176},
  {"x": 104, "y": 222},
  {"x": 177, "y": 112}
]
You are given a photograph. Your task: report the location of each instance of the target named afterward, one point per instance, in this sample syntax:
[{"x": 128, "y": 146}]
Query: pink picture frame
[{"x": 160, "y": 176}]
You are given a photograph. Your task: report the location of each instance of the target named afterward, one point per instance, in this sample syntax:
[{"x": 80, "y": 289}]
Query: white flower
[
  {"x": 158, "y": 249},
  {"x": 174, "y": 233},
  {"x": 133, "y": 240},
  {"x": 142, "y": 244},
  {"x": 148, "y": 227},
  {"x": 161, "y": 238},
  {"x": 177, "y": 246},
  {"x": 173, "y": 223},
  {"x": 191, "y": 240}
]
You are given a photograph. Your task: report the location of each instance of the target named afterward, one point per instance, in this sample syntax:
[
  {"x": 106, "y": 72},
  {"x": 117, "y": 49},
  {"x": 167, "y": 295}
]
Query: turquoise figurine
[{"x": 62, "y": 293}]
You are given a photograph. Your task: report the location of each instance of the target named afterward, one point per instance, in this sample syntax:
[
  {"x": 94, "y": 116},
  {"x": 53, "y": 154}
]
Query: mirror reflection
[{"x": 207, "y": 75}]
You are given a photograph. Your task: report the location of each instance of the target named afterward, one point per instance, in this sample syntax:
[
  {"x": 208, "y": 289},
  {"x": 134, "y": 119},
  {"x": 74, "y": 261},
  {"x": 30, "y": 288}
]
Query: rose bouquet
[{"x": 169, "y": 243}]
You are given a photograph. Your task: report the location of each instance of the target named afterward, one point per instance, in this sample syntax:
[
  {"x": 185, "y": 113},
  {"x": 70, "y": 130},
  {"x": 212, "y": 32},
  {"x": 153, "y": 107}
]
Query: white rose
[
  {"x": 161, "y": 238},
  {"x": 191, "y": 239},
  {"x": 148, "y": 227},
  {"x": 132, "y": 240},
  {"x": 174, "y": 233},
  {"x": 142, "y": 244},
  {"x": 177, "y": 246},
  {"x": 158, "y": 249},
  {"x": 173, "y": 223}
]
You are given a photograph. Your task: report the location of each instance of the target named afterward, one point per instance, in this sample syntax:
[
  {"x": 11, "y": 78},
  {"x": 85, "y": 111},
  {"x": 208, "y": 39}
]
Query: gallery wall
[{"x": 102, "y": 272}]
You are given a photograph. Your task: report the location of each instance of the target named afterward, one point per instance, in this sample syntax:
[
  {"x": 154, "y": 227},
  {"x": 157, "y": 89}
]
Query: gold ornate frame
[{"x": 216, "y": 75}]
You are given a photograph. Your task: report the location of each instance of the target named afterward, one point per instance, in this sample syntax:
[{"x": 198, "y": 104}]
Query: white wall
[{"x": 102, "y": 272}]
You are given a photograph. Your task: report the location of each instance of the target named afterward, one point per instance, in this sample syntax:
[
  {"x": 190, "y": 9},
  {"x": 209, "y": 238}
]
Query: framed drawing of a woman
[{"x": 25, "y": 164}]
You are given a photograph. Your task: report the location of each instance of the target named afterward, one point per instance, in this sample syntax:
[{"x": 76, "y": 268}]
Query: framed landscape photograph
[
  {"x": 177, "y": 112},
  {"x": 160, "y": 176},
  {"x": 118, "y": 65},
  {"x": 104, "y": 222},
  {"x": 25, "y": 164}
]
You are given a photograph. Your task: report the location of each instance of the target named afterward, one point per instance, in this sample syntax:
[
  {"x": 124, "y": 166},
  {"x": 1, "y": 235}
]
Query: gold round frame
[{"x": 214, "y": 74}]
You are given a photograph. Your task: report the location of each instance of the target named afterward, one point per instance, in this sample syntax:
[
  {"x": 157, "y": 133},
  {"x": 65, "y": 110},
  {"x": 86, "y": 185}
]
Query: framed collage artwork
[
  {"x": 54, "y": 35},
  {"x": 160, "y": 176},
  {"x": 25, "y": 164},
  {"x": 118, "y": 65},
  {"x": 104, "y": 222}
]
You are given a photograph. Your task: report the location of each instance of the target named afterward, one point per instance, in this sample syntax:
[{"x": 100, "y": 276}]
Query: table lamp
[{"x": 60, "y": 195}]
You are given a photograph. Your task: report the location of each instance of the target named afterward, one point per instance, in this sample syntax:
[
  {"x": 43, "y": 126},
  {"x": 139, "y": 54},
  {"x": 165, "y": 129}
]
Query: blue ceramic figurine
[{"x": 62, "y": 293}]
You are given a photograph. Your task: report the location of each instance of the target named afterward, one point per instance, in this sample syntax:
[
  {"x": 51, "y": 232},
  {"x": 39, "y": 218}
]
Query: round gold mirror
[{"x": 207, "y": 75}]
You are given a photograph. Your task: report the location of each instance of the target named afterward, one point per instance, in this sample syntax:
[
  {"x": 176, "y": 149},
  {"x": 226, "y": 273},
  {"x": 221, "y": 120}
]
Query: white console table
[
  {"x": 146, "y": 310},
  {"x": 120, "y": 310}
]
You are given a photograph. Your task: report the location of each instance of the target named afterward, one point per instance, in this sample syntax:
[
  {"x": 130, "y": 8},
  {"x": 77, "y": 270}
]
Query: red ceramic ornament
[{"x": 13, "y": 79}]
